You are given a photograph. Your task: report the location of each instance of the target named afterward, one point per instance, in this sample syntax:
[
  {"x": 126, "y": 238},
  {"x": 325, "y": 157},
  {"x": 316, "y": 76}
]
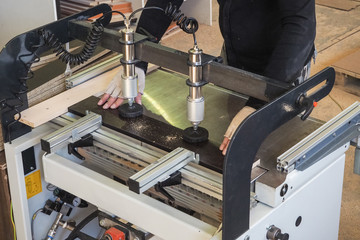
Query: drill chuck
[
  {"x": 195, "y": 110},
  {"x": 129, "y": 86}
]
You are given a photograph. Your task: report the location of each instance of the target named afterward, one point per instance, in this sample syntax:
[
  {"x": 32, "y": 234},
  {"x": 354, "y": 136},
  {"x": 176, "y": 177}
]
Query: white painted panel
[
  {"x": 20, "y": 16},
  {"x": 199, "y": 9}
]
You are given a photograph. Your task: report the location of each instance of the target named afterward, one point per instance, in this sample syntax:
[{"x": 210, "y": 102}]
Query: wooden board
[
  {"x": 344, "y": 5},
  {"x": 57, "y": 105},
  {"x": 69, "y": 7},
  {"x": 349, "y": 65},
  {"x": 6, "y": 229}
]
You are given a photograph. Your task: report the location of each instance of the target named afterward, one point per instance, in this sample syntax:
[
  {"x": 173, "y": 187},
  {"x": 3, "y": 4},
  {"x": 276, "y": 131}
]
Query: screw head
[
  {"x": 247, "y": 237},
  {"x": 102, "y": 222}
]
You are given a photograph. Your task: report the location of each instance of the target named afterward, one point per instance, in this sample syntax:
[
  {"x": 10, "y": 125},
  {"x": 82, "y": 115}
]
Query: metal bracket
[
  {"x": 71, "y": 133},
  {"x": 332, "y": 135},
  {"x": 160, "y": 170}
]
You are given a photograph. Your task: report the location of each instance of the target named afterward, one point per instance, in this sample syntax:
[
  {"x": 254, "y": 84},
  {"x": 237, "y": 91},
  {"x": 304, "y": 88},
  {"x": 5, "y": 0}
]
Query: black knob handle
[
  {"x": 274, "y": 233},
  {"x": 305, "y": 102},
  {"x": 281, "y": 236}
]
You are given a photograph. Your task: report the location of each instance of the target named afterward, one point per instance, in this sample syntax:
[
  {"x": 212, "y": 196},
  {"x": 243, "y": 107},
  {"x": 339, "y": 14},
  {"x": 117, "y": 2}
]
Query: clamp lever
[
  {"x": 174, "y": 179},
  {"x": 305, "y": 102},
  {"x": 85, "y": 141}
]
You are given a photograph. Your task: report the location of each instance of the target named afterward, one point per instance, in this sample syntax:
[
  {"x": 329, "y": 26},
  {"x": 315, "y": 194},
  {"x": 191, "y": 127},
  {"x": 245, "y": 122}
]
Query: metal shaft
[
  {"x": 54, "y": 226},
  {"x": 129, "y": 77},
  {"x": 195, "y": 100}
]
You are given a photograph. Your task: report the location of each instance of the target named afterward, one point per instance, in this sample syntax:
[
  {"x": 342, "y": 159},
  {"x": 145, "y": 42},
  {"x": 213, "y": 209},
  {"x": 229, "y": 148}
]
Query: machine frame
[{"x": 22, "y": 51}]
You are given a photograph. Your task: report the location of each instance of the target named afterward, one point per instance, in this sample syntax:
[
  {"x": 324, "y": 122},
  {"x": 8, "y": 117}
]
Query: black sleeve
[
  {"x": 154, "y": 22},
  {"x": 296, "y": 41}
]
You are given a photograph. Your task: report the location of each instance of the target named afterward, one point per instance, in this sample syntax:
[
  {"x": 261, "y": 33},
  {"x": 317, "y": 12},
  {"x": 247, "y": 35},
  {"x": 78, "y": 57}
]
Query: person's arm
[
  {"x": 153, "y": 23},
  {"x": 296, "y": 41}
]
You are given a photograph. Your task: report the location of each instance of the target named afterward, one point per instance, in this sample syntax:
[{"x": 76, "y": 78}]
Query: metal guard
[{"x": 242, "y": 149}]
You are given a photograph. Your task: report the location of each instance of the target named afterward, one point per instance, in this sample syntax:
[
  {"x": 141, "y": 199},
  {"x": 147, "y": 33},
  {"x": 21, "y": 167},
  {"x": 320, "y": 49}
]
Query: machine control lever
[{"x": 274, "y": 233}]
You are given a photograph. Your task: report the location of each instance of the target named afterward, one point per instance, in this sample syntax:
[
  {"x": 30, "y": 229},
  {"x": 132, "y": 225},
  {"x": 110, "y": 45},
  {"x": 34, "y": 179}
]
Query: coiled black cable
[
  {"x": 75, "y": 59},
  {"x": 187, "y": 24}
]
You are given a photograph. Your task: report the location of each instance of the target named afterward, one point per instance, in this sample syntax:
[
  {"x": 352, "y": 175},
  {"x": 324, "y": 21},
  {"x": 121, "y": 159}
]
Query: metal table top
[{"x": 164, "y": 118}]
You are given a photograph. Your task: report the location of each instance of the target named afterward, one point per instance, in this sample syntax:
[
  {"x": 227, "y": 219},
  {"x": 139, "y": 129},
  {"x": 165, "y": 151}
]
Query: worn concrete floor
[{"x": 338, "y": 34}]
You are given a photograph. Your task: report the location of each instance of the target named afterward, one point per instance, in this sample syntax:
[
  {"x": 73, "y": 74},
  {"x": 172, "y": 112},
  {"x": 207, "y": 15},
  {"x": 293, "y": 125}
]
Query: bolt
[
  {"x": 31, "y": 168},
  {"x": 247, "y": 237},
  {"x": 304, "y": 156},
  {"x": 269, "y": 227},
  {"x": 334, "y": 134},
  {"x": 102, "y": 222}
]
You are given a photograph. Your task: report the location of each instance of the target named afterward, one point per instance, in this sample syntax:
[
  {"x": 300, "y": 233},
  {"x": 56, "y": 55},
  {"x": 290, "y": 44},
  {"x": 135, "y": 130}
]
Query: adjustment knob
[
  {"x": 281, "y": 236},
  {"x": 274, "y": 233}
]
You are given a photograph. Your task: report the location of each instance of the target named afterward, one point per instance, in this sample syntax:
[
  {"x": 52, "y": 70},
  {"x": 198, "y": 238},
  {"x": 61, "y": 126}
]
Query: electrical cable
[
  {"x": 32, "y": 222},
  {"x": 187, "y": 24},
  {"x": 91, "y": 43},
  {"x": 336, "y": 102},
  {"x": 12, "y": 219},
  {"x": 145, "y": 8}
]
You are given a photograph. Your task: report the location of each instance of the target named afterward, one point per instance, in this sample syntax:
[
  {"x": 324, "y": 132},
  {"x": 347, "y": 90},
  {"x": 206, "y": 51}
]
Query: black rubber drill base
[
  {"x": 192, "y": 136},
  {"x": 127, "y": 111}
]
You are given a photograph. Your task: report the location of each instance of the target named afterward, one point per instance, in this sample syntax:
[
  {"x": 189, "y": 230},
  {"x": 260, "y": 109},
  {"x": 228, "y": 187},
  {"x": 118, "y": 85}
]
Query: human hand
[
  {"x": 237, "y": 120},
  {"x": 113, "y": 95}
]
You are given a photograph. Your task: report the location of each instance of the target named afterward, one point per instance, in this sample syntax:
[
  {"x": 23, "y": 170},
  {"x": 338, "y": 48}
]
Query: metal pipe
[
  {"x": 52, "y": 231},
  {"x": 129, "y": 78},
  {"x": 195, "y": 100}
]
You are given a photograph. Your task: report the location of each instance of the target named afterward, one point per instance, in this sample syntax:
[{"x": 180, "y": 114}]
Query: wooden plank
[
  {"x": 344, "y": 5},
  {"x": 6, "y": 229},
  {"x": 349, "y": 65},
  {"x": 57, "y": 105},
  {"x": 57, "y": 68},
  {"x": 85, "y": 2}
]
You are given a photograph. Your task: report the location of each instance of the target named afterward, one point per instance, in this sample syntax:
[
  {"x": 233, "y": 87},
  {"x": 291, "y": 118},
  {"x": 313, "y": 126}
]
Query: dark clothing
[
  {"x": 274, "y": 38},
  {"x": 154, "y": 23}
]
